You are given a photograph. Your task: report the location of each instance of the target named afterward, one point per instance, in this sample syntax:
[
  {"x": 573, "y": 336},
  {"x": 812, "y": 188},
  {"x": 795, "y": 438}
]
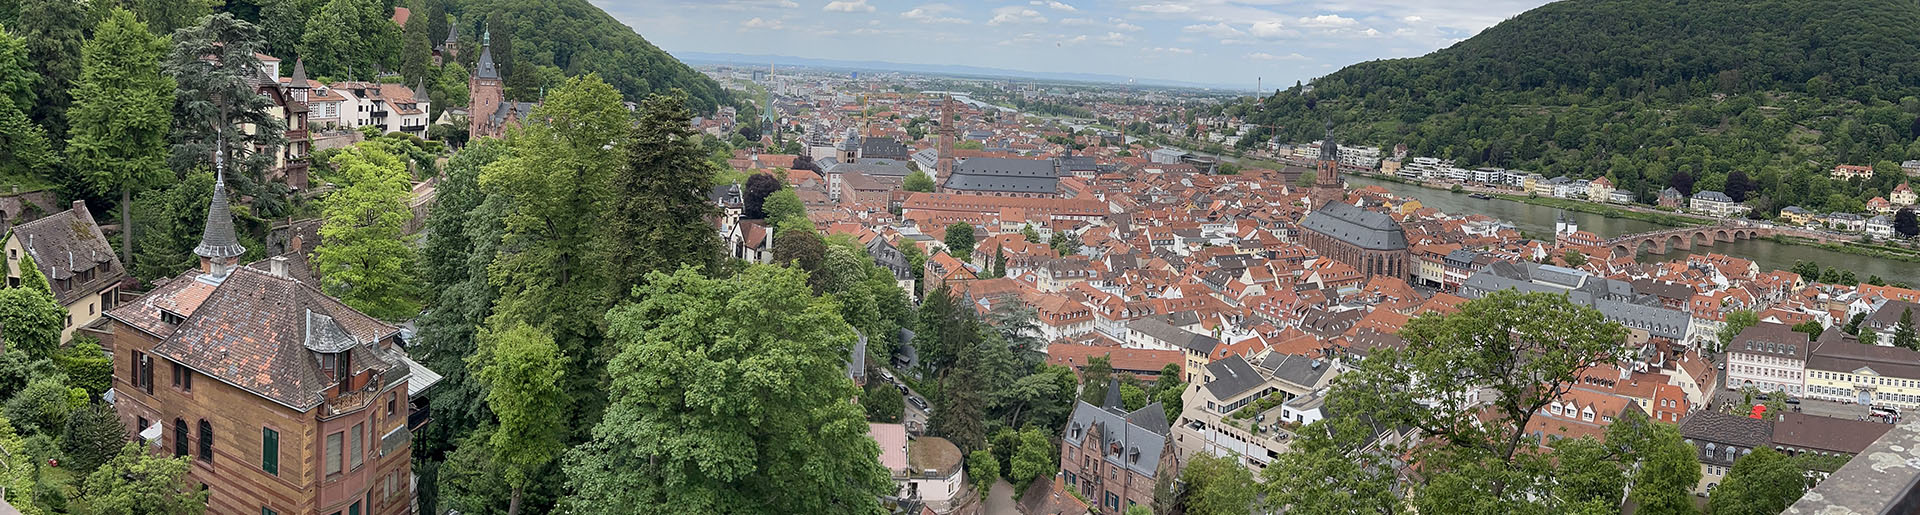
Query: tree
[
  {"x": 1167, "y": 389},
  {"x": 1132, "y": 397},
  {"x": 166, "y": 16},
  {"x": 1329, "y": 470},
  {"x": 554, "y": 185},
  {"x": 1305, "y": 180},
  {"x": 784, "y": 205},
  {"x": 437, "y": 28},
  {"x": 1811, "y": 327},
  {"x": 30, "y": 276},
  {"x": 1807, "y": 270},
  {"x": 283, "y": 24},
  {"x": 796, "y": 244},
  {"x": 1903, "y": 332},
  {"x": 918, "y": 181},
  {"x": 1066, "y": 243},
  {"x": 521, "y": 367},
  {"x": 1906, "y": 223},
  {"x": 1574, "y": 258},
  {"x": 33, "y": 321},
  {"x": 1869, "y": 337},
  {"x": 1761, "y": 482},
  {"x": 1094, "y": 379},
  {"x": 215, "y": 95},
  {"x": 55, "y": 30},
  {"x": 1217, "y": 485},
  {"x": 92, "y": 436},
  {"x": 136, "y": 481},
  {"x": 1032, "y": 458},
  {"x": 364, "y": 259},
  {"x": 1737, "y": 320},
  {"x": 960, "y": 241},
  {"x": 754, "y": 363},
  {"x": 1668, "y": 469},
  {"x": 883, "y": 402},
  {"x": 754, "y": 198},
  {"x": 24, "y": 150},
  {"x": 416, "y": 51},
  {"x": 343, "y": 39},
  {"x": 660, "y": 209},
  {"x": 984, "y": 468},
  {"x": 1028, "y": 232},
  {"x": 1529, "y": 349},
  {"x": 121, "y": 115},
  {"x": 43, "y": 406}
]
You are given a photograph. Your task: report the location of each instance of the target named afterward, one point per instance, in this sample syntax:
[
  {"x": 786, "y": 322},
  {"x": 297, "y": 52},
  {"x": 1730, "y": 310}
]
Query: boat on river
[{"x": 1481, "y": 196}]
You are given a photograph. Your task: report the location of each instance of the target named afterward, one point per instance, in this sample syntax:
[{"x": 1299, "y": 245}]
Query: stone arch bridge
[{"x": 1684, "y": 238}]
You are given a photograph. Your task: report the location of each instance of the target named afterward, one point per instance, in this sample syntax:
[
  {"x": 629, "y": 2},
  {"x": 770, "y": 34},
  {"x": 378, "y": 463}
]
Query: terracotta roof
[
  {"x": 255, "y": 330},
  {"x": 1122, "y": 359}
]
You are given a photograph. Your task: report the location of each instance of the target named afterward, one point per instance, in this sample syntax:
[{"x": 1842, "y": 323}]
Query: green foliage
[
  {"x": 969, "y": 145},
  {"x": 24, "y": 148},
  {"x": 521, "y": 367},
  {"x": 55, "y": 30},
  {"x": 1906, "y": 223},
  {"x": 348, "y": 39},
  {"x": 86, "y": 366},
  {"x": 1737, "y": 320},
  {"x": 1167, "y": 389},
  {"x": 784, "y": 205},
  {"x": 1668, "y": 469},
  {"x": 1065, "y": 243},
  {"x": 1903, "y": 332},
  {"x": 1132, "y": 397},
  {"x": 30, "y": 276},
  {"x": 166, "y": 16},
  {"x": 33, "y": 321},
  {"x": 798, "y": 245},
  {"x": 468, "y": 481},
  {"x": 575, "y": 36},
  {"x": 42, "y": 407},
  {"x": 122, "y": 113},
  {"x": 984, "y": 468},
  {"x": 660, "y": 209},
  {"x": 1811, "y": 327},
  {"x": 883, "y": 402},
  {"x": 1033, "y": 458},
  {"x": 918, "y": 181},
  {"x": 92, "y": 436},
  {"x": 17, "y": 476},
  {"x": 1217, "y": 485},
  {"x": 753, "y": 197},
  {"x": 363, "y": 259},
  {"x": 1574, "y": 258},
  {"x": 416, "y": 48},
  {"x": 1095, "y": 378},
  {"x": 1762, "y": 482},
  {"x": 215, "y": 94},
  {"x": 960, "y": 241},
  {"x": 136, "y": 481},
  {"x": 170, "y": 221},
  {"x": 1326, "y": 472},
  {"x": 753, "y": 363},
  {"x": 1650, "y": 91}
]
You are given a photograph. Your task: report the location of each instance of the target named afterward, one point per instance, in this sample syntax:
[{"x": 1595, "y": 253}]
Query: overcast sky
[{"x": 1227, "y": 42}]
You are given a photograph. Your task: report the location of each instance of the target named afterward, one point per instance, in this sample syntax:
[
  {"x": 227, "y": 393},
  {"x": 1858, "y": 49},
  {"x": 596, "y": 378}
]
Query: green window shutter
[{"x": 270, "y": 451}]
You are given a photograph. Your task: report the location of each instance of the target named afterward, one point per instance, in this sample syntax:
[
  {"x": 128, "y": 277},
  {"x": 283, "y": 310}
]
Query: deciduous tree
[
  {"x": 33, "y": 321},
  {"x": 754, "y": 198},
  {"x": 364, "y": 259},
  {"x": 1761, "y": 482},
  {"x": 122, "y": 115},
  {"x": 521, "y": 367},
  {"x": 960, "y": 241},
  {"x": 1217, "y": 485},
  {"x": 137, "y": 481},
  {"x": 918, "y": 181},
  {"x": 726, "y": 386}
]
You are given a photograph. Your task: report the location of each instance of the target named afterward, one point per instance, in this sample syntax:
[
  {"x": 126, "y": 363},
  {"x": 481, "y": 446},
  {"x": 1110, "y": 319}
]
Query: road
[{"x": 914, "y": 417}]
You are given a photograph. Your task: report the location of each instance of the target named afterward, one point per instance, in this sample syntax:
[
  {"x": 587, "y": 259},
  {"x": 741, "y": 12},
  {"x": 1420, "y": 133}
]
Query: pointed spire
[
  {"x": 1114, "y": 403},
  {"x": 299, "y": 79},
  {"x": 217, "y": 241}
]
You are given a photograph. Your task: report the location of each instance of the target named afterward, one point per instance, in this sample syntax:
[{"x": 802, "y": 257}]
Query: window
[
  {"x": 206, "y": 441},
  {"x": 270, "y": 451},
  {"x": 393, "y": 398},
  {"x": 333, "y": 453},
  {"x": 357, "y": 453},
  {"x": 179, "y": 437},
  {"x": 143, "y": 424},
  {"x": 354, "y": 509}
]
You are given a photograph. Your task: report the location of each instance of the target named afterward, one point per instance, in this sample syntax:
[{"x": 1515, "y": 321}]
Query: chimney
[
  {"x": 80, "y": 207},
  {"x": 278, "y": 267}
]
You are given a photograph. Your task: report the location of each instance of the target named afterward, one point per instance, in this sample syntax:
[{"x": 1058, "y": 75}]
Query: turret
[{"x": 219, "y": 249}]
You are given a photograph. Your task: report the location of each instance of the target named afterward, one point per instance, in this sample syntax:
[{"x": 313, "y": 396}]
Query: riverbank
[
  {"x": 1658, "y": 217},
  {"x": 1871, "y": 250}
]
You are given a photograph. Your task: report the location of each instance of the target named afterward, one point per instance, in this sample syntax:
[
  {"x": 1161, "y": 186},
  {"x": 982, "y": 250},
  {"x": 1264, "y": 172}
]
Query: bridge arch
[
  {"x": 1722, "y": 235},
  {"x": 1674, "y": 242}
]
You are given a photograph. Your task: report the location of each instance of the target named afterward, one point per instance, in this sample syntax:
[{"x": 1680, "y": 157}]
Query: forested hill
[
  {"x": 575, "y": 37},
  {"x": 1651, "y": 92}
]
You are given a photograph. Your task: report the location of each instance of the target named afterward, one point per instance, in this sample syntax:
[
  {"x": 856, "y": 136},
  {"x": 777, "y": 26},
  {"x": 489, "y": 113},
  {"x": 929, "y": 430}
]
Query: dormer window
[{"x": 171, "y": 318}]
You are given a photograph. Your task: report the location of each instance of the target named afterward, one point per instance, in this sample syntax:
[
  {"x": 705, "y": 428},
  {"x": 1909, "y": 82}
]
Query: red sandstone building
[
  {"x": 1112, "y": 456},
  {"x": 288, "y": 401},
  {"x": 1367, "y": 241}
]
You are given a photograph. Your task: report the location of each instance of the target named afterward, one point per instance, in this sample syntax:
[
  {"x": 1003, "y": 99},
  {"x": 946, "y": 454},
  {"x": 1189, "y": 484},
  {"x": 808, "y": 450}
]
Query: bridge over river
[{"x": 1685, "y": 238}]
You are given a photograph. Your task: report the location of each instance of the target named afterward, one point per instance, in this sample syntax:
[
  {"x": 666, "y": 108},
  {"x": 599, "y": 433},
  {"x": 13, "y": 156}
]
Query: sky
[{"x": 1224, "y": 42}]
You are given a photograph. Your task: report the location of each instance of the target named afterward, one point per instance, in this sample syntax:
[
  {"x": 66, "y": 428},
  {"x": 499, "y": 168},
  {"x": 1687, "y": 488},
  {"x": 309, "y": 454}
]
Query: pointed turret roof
[
  {"x": 484, "y": 67},
  {"x": 1113, "y": 401},
  {"x": 299, "y": 78},
  {"x": 218, "y": 240}
]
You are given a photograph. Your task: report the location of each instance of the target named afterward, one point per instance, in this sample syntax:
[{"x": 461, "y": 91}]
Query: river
[{"x": 1538, "y": 220}]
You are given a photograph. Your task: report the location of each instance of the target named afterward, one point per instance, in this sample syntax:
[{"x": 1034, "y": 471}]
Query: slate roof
[
  {"x": 1359, "y": 227},
  {"x": 1160, "y": 329},
  {"x": 1144, "y": 430},
  {"x": 1712, "y": 196},
  {"x": 1297, "y": 369},
  {"x": 1005, "y": 174},
  {"x": 1838, "y": 354},
  {"x": 1724, "y": 429},
  {"x": 217, "y": 239},
  {"x": 1770, "y": 339},
  {"x": 1827, "y": 433},
  {"x": 1232, "y": 378},
  {"x": 253, "y": 330},
  {"x": 66, "y": 243},
  {"x": 484, "y": 68}
]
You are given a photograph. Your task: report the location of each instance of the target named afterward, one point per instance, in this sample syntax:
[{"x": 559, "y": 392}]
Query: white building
[
  {"x": 926, "y": 468},
  {"x": 390, "y": 107},
  {"x": 1769, "y": 357}
]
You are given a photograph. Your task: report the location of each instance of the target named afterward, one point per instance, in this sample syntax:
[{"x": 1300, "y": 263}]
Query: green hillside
[
  {"x": 1751, "y": 95},
  {"x": 577, "y": 38}
]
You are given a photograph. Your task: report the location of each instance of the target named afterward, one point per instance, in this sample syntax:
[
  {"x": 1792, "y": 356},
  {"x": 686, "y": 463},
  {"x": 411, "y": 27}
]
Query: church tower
[
  {"x": 486, "y": 90},
  {"x": 944, "y": 149},
  {"x": 1326, "y": 177}
]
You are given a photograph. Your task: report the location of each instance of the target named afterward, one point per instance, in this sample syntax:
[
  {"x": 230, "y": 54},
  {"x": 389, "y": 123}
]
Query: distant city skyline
[{"x": 1223, "y": 42}]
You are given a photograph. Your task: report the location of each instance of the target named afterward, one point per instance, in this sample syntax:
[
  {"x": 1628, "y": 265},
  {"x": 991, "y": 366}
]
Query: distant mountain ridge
[
  {"x": 1748, "y": 95},
  {"x": 942, "y": 69}
]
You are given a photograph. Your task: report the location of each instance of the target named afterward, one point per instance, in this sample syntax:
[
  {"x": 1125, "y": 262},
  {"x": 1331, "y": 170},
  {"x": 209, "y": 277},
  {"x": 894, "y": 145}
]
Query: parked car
[
  {"x": 887, "y": 374},
  {"x": 918, "y": 403},
  {"x": 902, "y": 387}
]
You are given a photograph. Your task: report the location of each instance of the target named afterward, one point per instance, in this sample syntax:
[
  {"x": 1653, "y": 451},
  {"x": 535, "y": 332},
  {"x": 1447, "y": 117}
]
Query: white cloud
[
  {"x": 1370, "y": 32},
  {"x": 1271, "y": 29},
  {"x": 933, "y": 13},
  {"x": 1169, "y": 50},
  {"x": 1164, "y": 8},
  {"x": 1078, "y": 22},
  {"x": 1014, "y": 14},
  {"x": 1263, "y": 56},
  {"x": 1217, "y": 30},
  {"x": 848, "y": 6},
  {"x": 1328, "y": 21},
  {"x": 1114, "y": 38},
  {"x": 762, "y": 24},
  {"x": 1412, "y": 19},
  {"x": 1120, "y": 24},
  {"x": 1055, "y": 5}
]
